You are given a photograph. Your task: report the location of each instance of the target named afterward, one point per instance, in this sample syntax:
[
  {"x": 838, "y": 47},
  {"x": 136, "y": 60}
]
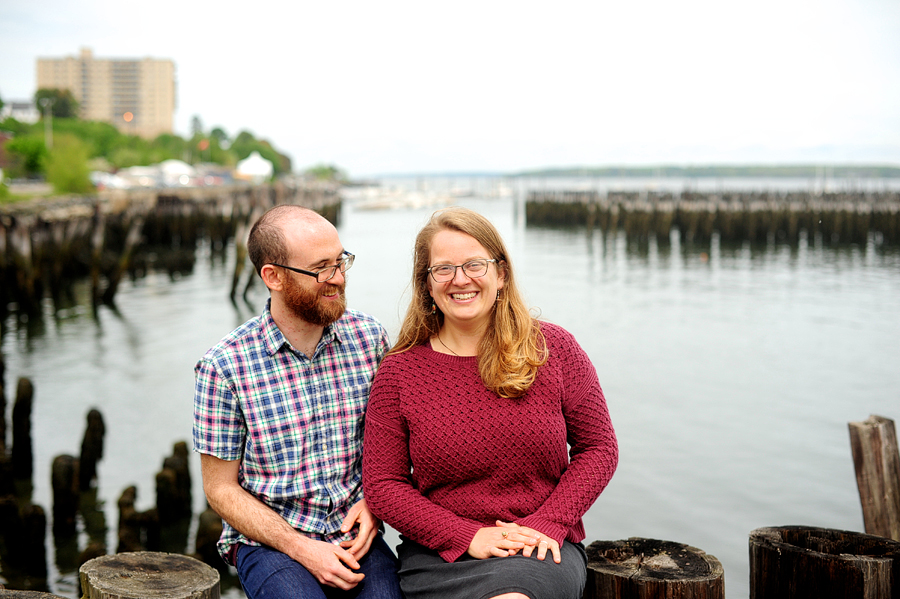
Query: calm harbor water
[{"x": 731, "y": 372}]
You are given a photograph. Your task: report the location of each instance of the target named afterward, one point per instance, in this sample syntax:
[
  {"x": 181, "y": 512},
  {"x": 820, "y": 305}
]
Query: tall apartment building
[{"x": 136, "y": 96}]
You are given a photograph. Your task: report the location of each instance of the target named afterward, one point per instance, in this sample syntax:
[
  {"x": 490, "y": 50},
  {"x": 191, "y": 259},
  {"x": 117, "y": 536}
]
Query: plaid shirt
[{"x": 295, "y": 423}]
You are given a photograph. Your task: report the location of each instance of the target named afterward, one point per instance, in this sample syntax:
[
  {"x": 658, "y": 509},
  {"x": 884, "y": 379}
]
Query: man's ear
[{"x": 272, "y": 277}]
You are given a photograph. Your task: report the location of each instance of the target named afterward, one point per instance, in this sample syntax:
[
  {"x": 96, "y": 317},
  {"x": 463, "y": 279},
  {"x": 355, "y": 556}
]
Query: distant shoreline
[
  {"x": 808, "y": 171},
  {"x": 800, "y": 170}
]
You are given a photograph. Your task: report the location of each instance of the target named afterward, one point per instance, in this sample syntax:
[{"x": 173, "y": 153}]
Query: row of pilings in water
[
  {"x": 755, "y": 216},
  {"x": 48, "y": 245},
  {"x": 24, "y": 526}
]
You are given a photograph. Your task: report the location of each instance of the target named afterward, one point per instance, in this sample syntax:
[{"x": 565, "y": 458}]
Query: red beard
[{"x": 307, "y": 305}]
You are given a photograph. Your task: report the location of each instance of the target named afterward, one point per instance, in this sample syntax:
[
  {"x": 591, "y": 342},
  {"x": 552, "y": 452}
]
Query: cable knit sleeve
[
  {"x": 387, "y": 478},
  {"x": 593, "y": 447}
]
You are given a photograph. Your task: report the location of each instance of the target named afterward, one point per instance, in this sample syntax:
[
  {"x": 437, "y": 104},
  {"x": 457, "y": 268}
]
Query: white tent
[
  {"x": 177, "y": 172},
  {"x": 255, "y": 167}
]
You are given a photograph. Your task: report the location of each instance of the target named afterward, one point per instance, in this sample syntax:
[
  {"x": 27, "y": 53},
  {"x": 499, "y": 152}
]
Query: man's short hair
[{"x": 267, "y": 243}]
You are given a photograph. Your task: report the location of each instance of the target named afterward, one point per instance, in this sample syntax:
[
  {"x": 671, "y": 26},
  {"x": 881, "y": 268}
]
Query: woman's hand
[
  {"x": 531, "y": 539},
  {"x": 494, "y": 541}
]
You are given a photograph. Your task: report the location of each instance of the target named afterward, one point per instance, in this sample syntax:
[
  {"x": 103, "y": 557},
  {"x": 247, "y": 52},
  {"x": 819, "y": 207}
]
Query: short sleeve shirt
[{"x": 294, "y": 422}]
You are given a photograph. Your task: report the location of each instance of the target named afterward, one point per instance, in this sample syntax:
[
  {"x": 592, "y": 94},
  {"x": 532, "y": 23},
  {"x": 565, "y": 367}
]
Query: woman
[{"x": 465, "y": 449}]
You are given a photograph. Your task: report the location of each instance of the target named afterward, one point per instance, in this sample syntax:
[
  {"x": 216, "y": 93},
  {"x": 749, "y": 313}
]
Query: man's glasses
[
  {"x": 327, "y": 273},
  {"x": 473, "y": 269}
]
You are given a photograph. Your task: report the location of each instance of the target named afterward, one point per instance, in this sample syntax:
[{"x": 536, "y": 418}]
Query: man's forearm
[
  {"x": 255, "y": 520},
  {"x": 244, "y": 512}
]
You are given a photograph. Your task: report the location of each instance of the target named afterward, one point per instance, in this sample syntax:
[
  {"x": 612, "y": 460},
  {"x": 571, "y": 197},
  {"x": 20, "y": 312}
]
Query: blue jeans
[{"x": 265, "y": 572}]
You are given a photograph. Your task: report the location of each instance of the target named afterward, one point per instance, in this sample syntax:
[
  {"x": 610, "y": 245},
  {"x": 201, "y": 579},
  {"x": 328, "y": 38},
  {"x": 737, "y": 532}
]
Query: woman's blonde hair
[{"x": 513, "y": 346}]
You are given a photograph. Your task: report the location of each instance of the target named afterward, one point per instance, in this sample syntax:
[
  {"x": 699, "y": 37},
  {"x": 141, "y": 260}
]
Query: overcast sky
[{"x": 387, "y": 86}]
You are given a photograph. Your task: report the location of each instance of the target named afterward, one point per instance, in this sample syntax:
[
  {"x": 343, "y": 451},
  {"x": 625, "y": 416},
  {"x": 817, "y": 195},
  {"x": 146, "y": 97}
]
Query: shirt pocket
[{"x": 353, "y": 400}]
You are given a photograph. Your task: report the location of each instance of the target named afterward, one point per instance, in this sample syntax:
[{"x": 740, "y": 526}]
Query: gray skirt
[{"x": 424, "y": 574}]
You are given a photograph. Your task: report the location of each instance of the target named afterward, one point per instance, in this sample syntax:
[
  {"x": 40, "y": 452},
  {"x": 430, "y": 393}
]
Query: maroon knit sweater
[{"x": 443, "y": 456}]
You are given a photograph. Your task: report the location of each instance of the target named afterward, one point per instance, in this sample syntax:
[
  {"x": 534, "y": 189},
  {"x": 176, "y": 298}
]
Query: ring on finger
[{"x": 504, "y": 534}]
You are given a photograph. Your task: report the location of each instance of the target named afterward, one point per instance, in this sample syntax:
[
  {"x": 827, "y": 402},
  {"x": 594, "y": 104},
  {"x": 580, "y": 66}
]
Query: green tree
[
  {"x": 1, "y": 104},
  {"x": 244, "y": 144},
  {"x": 326, "y": 172},
  {"x": 29, "y": 155},
  {"x": 220, "y": 136},
  {"x": 15, "y": 127},
  {"x": 64, "y": 104},
  {"x": 67, "y": 166}
]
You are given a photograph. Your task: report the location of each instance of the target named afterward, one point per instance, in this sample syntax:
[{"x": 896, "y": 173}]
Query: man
[{"x": 278, "y": 421}]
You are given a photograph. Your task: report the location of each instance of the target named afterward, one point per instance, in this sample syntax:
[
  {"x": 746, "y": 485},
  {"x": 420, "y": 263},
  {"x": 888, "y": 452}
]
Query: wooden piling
[
  {"x": 137, "y": 530},
  {"x": 209, "y": 529},
  {"x": 97, "y": 237},
  {"x": 22, "y": 458},
  {"x": 13, "y": 594},
  {"x": 876, "y": 459},
  {"x": 91, "y": 449},
  {"x": 131, "y": 242},
  {"x": 648, "y": 568},
  {"x": 240, "y": 245},
  {"x": 2, "y": 405},
  {"x": 147, "y": 575},
  {"x": 796, "y": 562},
  {"x": 7, "y": 480},
  {"x": 64, "y": 480},
  {"x": 31, "y": 548},
  {"x": 173, "y": 486},
  {"x": 846, "y": 217}
]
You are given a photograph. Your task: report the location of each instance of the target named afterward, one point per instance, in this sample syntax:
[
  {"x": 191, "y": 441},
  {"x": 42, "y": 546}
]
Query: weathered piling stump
[
  {"x": 147, "y": 575},
  {"x": 2, "y": 405},
  {"x": 797, "y": 562},
  {"x": 649, "y": 568},
  {"x": 13, "y": 594},
  {"x": 64, "y": 480},
  {"x": 137, "y": 530},
  {"x": 7, "y": 481},
  {"x": 91, "y": 449},
  {"x": 22, "y": 458},
  {"x": 877, "y": 461},
  {"x": 31, "y": 548},
  {"x": 209, "y": 529},
  {"x": 93, "y": 517},
  {"x": 131, "y": 242},
  {"x": 173, "y": 486},
  {"x": 10, "y": 524}
]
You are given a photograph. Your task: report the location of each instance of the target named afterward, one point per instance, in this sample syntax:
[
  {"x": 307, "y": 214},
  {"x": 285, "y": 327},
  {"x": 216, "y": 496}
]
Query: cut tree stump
[
  {"x": 817, "y": 563},
  {"x": 648, "y": 568},
  {"x": 148, "y": 575}
]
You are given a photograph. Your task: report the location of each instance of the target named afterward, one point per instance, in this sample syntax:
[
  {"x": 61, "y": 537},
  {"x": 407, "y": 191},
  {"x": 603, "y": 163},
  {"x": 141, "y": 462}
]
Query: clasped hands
[
  {"x": 336, "y": 565},
  {"x": 508, "y": 538}
]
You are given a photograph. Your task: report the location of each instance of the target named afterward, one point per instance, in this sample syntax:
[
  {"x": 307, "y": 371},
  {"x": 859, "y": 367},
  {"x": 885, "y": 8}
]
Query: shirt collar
[{"x": 274, "y": 339}]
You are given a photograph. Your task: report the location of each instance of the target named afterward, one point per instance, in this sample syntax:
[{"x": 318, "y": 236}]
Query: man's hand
[
  {"x": 368, "y": 529},
  {"x": 329, "y": 564}
]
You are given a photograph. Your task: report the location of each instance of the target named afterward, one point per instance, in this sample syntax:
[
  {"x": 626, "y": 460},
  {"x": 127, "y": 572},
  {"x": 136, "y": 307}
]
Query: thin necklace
[{"x": 445, "y": 345}]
